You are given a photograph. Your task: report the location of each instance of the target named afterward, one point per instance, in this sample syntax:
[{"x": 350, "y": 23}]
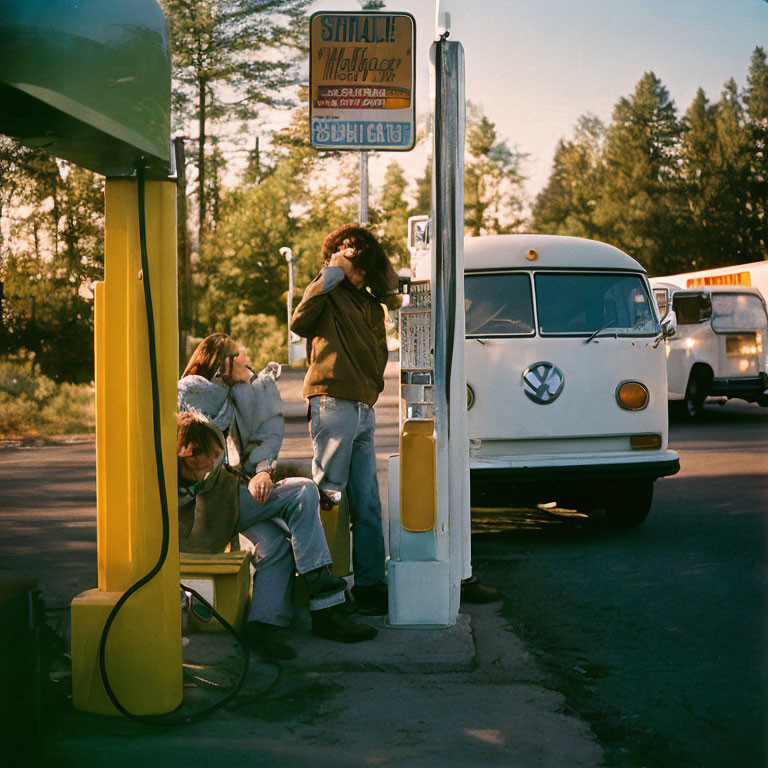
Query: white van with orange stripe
[{"x": 566, "y": 373}]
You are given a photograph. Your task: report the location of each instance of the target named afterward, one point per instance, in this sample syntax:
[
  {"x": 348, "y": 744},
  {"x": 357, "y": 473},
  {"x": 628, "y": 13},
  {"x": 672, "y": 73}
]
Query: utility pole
[
  {"x": 186, "y": 299},
  {"x": 364, "y": 186},
  {"x": 288, "y": 254}
]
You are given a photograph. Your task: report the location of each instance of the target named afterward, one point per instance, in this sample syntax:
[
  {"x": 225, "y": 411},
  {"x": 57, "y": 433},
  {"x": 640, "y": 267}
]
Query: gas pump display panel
[
  {"x": 416, "y": 369},
  {"x": 361, "y": 81}
]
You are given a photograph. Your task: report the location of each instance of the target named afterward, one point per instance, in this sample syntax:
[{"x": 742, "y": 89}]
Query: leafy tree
[
  {"x": 264, "y": 337},
  {"x": 423, "y": 204},
  {"x": 492, "y": 179},
  {"x": 228, "y": 59},
  {"x": 566, "y": 205},
  {"x": 54, "y": 252}
]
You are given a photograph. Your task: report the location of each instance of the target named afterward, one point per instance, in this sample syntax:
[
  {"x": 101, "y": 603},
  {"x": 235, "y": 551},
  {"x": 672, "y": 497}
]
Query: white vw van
[
  {"x": 718, "y": 346},
  {"x": 566, "y": 375}
]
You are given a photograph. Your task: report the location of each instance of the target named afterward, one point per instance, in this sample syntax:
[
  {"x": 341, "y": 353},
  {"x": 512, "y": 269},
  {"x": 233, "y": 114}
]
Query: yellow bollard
[{"x": 143, "y": 653}]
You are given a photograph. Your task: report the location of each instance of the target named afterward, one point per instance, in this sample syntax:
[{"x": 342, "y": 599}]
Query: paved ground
[{"x": 470, "y": 695}]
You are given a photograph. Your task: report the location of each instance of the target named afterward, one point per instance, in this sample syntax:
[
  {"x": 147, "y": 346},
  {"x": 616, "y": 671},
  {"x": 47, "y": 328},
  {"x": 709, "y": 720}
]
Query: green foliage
[
  {"x": 677, "y": 194},
  {"x": 229, "y": 58},
  {"x": 53, "y": 254},
  {"x": 263, "y": 336},
  {"x": 567, "y": 204},
  {"x": 493, "y": 179},
  {"x": 32, "y": 404},
  {"x": 394, "y": 215}
]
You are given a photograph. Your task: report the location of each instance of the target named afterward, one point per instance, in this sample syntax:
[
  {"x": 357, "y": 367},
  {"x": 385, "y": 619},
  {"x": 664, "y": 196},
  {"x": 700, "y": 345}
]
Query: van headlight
[
  {"x": 470, "y": 397},
  {"x": 632, "y": 395}
]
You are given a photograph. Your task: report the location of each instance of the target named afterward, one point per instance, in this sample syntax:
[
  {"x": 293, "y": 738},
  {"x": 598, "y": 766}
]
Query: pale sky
[{"x": 534, "y": 67}]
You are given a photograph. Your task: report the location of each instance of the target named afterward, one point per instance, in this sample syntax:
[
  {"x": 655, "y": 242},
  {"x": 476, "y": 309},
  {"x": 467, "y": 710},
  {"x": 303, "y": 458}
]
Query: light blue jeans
[
  {"x": 345, "y": 460},
  {"x": 287, "y": 535}
]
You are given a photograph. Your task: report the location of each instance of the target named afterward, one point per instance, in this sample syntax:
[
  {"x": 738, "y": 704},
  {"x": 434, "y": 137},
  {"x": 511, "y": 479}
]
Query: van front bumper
[
  {"x": 586, "y": 469},
  {"x": 753, "y": 389}
]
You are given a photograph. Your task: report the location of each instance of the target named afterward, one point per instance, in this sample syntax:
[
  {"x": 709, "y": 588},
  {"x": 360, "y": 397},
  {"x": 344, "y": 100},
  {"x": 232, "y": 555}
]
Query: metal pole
[
  {"x": 364, "y": 187},
  {"x": 288, "y": 253}
]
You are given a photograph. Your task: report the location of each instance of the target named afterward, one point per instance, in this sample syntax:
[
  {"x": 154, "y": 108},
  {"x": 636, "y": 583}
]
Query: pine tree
[
  {"x": 642, "y": 208},
  {"x": 493, "y": 196},
  {"x": 756, "y": 101},
  {"x": 394, "y": 215},
  {"x": 225, "y": 66},
  {"x": 423, "y": 204},
  {"x": 702, "y": 181},
  {"x": 733, "y": 157},
  {"x": 566, "y": 205}
]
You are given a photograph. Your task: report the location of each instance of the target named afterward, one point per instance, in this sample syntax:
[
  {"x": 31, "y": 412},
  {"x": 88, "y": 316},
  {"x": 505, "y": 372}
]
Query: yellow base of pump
[
  {"x": 336, "y": 526},
  {"x": 137, "y": 651},
  {"x": 229, "y": 575}
]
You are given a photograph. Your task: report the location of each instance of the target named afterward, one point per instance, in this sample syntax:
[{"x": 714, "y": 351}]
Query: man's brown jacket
[{"x": 346, "y": 338}]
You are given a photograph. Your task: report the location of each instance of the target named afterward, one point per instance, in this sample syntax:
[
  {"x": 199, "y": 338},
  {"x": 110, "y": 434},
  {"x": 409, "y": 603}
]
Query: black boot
[
  {"x": 334, "y": 624},
  {"x": 322, "y": 583},
  {"x": 473, "y": 592},
  {"x": 265, "y": 640}
]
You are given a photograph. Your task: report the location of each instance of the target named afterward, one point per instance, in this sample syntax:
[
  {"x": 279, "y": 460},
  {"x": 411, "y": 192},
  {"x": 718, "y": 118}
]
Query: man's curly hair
[{"x": 380, "y": 276}]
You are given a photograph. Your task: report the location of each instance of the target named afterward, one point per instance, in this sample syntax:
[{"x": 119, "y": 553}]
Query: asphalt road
[{"x": 656, "y": 635}]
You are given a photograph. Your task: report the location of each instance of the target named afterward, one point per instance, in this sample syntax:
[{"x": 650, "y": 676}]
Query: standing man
[{"x": 342, "y": 318}]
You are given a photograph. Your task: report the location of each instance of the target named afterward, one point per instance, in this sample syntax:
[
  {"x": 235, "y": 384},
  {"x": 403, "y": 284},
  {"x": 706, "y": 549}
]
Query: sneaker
[
  {"x": 473, "y": 592},
  {"x": 334, "y": 624},
  {"x": 322, "y": 583},
  {"x": 265, "y": 640},
  {"x": 371, "y": 600}
]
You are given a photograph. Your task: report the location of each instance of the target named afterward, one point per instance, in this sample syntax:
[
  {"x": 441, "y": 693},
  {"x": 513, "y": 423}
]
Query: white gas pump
[{"x": 429, "y": 525}]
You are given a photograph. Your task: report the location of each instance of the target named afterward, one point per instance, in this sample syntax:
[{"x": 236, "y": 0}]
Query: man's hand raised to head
[{"x": 342, "y": 259}]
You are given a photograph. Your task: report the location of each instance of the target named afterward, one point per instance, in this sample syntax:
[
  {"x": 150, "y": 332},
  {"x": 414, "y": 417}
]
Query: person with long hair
[
  {"x": 342, "y": 318},
  {"x": 243, "y": 410}
]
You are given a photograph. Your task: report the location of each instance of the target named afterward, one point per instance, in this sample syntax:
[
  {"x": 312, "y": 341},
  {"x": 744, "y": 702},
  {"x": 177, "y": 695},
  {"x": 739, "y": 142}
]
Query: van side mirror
[{"x": 662, "y": 302}]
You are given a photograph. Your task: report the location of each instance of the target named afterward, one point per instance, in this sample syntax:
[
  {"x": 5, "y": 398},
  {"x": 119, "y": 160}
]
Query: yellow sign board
[{"x": 362, "y": 80}]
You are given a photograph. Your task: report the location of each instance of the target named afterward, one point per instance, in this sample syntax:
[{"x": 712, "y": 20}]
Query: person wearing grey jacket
[{"x": 237, "y": 494}]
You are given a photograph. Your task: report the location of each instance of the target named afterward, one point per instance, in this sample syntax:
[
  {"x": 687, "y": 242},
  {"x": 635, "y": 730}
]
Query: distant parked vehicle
[
  {"x": 753, "y": 275},
  {"x": 718, "y": 348}
]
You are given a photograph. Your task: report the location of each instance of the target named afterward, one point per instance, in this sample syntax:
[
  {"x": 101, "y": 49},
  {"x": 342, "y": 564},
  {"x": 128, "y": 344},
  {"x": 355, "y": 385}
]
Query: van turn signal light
[
  {"x": 632, "y": 395},
  {"x": 645, "y": 441}
]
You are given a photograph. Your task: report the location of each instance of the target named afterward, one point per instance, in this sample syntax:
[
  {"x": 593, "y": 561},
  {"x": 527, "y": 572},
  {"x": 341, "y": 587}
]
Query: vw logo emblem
[{"x": 543, "y": 382}]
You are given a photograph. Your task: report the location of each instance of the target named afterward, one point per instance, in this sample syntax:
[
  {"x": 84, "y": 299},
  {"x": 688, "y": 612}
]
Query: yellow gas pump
[{"x": 89, "y": 80}]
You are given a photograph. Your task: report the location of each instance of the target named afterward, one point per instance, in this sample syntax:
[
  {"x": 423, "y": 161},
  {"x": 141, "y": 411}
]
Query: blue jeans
[
  {"x": 345, "y": 460},
  {"x": 287, "y": 535}
]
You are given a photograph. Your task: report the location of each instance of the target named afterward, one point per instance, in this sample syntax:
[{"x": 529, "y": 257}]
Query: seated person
[{"x": 284, "y": 526}]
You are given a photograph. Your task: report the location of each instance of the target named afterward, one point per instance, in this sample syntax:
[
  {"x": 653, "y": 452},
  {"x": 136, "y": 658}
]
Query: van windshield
[
  {"x": 737, "y": 312},
  {"x": 498, "y": 304},
  {"x": 582, "y": 303}
]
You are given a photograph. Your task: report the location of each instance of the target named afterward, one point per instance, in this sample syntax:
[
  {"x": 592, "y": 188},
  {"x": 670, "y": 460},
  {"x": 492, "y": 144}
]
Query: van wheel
[
  {"x": 629, "y": 504},
  {"x": 695, "y": 395}
]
